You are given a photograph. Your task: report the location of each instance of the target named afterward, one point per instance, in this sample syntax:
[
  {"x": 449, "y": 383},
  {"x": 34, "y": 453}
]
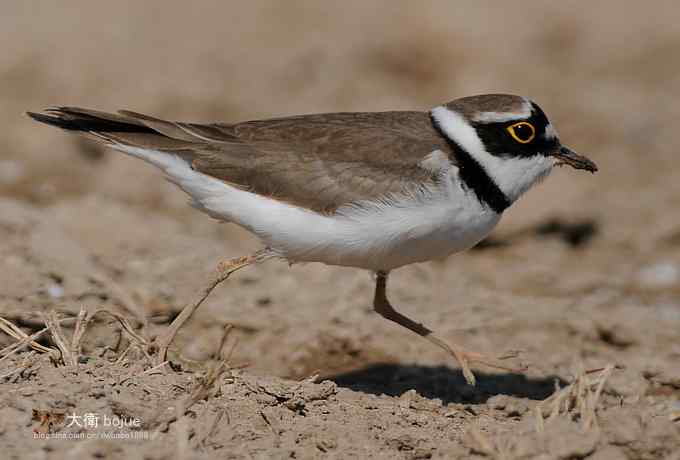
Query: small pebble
[
  {"x": 11, "y": 172},
  {"x": 660, "y": 274},
  {"x": 55, "y": 291},
  {"x": 674, "y": 415}
]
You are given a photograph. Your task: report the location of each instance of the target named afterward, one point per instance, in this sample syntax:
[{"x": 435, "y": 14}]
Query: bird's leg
[
  {"x": 224, "y": 270},
  {"x": 382, "y": 306}
]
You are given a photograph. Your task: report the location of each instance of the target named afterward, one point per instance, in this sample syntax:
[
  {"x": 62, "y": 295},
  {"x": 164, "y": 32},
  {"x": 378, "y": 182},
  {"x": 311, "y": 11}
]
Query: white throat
[{"x": 512, "y": 175}]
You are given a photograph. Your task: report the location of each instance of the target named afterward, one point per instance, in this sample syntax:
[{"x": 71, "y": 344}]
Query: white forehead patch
[
  {"x": 500, "y": 117},
  {"x": 513, "y": 175}
]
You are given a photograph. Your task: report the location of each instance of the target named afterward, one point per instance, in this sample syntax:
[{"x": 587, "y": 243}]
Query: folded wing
[{"x": 320, "y": 162}]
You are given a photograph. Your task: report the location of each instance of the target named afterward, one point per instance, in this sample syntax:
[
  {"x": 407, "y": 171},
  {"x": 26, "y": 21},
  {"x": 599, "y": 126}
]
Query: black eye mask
[{"x": 515, "y": 138}]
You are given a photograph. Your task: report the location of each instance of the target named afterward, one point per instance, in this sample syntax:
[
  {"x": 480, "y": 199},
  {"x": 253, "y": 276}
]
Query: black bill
[{"x": 569, "y": 157}]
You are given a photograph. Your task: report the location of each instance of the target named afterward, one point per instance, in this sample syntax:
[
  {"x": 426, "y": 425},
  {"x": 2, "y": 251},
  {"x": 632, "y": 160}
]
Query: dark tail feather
[
  {"x": 74, "y": 119},
  {"x": 120, "y": 128}
]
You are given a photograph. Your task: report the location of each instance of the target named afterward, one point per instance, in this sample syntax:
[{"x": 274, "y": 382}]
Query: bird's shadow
[
  {"x": 575, "y": 234},
  {"x": 441, "y": 382}
]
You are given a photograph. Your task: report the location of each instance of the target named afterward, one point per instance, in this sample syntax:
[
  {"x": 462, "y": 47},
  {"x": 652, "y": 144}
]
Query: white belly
[
  {"x": 375, "y": 235},
  {"x": 384, "y": 236}
]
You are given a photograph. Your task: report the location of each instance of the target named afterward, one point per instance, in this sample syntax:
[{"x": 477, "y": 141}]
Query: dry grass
[
  {"x": 68, "y": 352},
  {"x": 23, "y": 339},
  {"x": 205, "y": 386},
  {"x": 578, "y": 400}
]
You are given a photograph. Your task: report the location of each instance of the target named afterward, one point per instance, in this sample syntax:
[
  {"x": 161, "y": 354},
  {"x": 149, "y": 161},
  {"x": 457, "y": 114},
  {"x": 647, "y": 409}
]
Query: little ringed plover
[{"x": 373, "y": 190}]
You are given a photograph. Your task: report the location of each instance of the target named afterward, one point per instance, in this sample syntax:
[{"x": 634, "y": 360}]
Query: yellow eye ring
[{"x": 523, "y": 132}]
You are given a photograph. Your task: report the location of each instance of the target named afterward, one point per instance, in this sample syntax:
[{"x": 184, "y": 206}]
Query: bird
[{"x": 370, "y": 190}]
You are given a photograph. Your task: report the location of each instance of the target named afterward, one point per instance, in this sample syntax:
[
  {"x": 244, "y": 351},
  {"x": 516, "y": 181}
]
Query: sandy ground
[{"x": 582, "y": 274}]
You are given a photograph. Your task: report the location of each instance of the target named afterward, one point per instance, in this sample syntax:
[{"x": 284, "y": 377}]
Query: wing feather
[{"x": 321, "y": 162}]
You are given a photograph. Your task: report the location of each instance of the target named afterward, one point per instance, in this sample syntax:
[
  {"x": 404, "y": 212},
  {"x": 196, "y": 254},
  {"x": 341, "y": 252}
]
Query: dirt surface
[{"x": 583, "y": 274}]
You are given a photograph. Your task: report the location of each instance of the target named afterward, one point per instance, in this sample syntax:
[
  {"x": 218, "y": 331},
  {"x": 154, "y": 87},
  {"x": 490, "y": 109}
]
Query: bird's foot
[{"x": 465, "y": 358}]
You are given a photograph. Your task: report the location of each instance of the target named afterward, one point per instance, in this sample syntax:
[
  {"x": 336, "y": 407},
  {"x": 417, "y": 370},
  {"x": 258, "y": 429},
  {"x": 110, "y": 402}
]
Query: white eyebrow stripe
[
  {"x": 500, "y": 117},
  {"x": 550, "y": 132}
]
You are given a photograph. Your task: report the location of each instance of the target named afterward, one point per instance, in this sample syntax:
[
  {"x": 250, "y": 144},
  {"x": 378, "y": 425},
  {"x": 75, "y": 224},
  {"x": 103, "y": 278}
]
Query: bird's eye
[{"x": 522, "y": 132}]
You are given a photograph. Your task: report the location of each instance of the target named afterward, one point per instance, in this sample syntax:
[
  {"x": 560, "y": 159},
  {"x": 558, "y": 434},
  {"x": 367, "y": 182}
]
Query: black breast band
[{"x": 474, "y": 176}]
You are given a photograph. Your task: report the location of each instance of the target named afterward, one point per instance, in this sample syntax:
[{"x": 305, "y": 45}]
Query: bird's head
[{"x": 509, "y": 137}]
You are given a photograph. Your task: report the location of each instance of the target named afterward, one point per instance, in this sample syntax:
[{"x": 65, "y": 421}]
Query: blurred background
[
  {"x": 583, "y": 272},
  {"x": 584, "y": 268}
]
